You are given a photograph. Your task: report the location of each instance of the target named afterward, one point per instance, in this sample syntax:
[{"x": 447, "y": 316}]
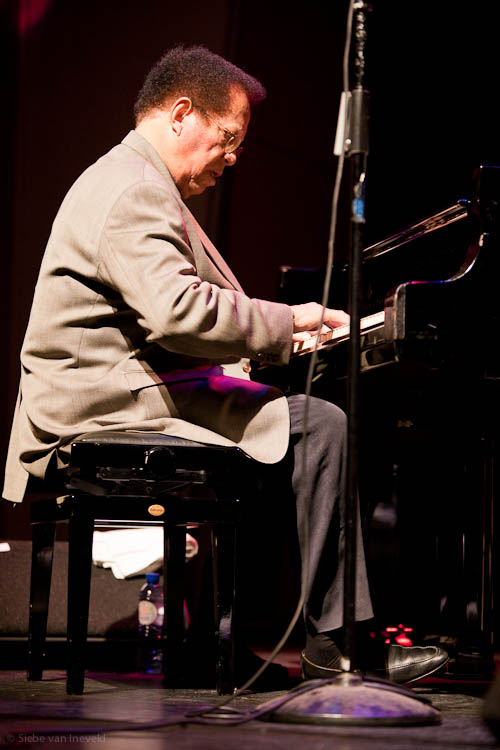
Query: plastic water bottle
[{"x": 151, "y": 611}]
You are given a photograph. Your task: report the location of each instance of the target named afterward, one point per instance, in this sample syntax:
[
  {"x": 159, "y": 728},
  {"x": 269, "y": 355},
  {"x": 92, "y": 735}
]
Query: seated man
[{"x": 138, "y": 324}]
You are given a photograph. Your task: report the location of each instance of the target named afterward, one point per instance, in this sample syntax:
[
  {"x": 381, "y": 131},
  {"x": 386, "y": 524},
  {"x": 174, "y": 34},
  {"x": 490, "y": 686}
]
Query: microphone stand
[
  {"x": 351, "y": 698},
  {"x": 357, "y": 148}
]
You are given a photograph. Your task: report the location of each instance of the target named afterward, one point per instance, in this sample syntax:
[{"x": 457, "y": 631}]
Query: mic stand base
[{"x": 352, "y": 699}]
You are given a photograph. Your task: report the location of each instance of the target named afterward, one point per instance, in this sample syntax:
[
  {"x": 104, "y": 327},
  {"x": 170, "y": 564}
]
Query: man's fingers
[
  {"x": 307, "y": 317},
  {"x": 301, "y": 336},
  {"x": 335, "y": 318}
]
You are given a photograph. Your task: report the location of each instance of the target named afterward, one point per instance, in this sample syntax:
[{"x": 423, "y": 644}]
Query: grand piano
[
  {"x": 429, "y": 416},
  {"x": 440, "y": 315}
]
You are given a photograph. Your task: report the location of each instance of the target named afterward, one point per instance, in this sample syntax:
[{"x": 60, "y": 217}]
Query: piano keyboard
[{"x": 337, "y": 334}]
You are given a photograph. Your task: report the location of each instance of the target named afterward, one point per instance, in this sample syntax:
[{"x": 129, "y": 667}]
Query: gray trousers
[{"x": 321, "y": 490}]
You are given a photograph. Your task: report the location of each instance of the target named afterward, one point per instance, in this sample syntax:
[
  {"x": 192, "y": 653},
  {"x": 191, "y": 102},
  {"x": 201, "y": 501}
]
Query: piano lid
[{"x": 458, "y": 211}]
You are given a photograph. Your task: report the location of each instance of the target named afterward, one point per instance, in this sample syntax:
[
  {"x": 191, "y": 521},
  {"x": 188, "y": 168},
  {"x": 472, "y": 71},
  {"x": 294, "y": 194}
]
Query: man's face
[{"x": 205, "y": 144}]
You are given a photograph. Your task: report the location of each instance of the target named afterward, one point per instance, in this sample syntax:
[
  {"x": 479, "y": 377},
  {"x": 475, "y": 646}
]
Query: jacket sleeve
[{"x": 145, "y": 256}]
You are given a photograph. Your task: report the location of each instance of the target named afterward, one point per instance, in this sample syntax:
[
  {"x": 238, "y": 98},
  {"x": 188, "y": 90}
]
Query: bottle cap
[{"x": 152, "y": 577}]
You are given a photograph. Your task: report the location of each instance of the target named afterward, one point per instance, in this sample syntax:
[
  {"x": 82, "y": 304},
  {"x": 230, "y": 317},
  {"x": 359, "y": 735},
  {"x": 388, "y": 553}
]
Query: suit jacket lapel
[
  {"x": 213, "y": 253},
  {"x": 146, "y": 150}
]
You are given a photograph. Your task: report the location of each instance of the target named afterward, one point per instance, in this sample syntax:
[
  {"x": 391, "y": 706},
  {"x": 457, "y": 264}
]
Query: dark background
[{"x": 71, "y": 72}]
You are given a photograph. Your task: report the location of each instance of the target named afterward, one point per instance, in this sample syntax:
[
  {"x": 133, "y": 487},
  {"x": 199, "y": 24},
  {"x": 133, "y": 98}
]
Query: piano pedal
[
  {"x": 468, "y": 661},
  {"x": 471, "y": 664}
]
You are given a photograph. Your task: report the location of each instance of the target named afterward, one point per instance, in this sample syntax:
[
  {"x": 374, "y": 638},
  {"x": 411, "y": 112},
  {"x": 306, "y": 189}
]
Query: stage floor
[{"x": 116, "y": 709}]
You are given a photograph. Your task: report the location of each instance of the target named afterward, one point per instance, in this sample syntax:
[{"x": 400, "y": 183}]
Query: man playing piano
[{"x": 138, "y": 323}]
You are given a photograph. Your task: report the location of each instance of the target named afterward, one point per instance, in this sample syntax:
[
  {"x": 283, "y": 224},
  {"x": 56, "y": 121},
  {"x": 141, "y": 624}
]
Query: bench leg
[
  {"x": 174, "y": 559},
  {"x": 81, "y": 531},
  {"x": 43, "y": 535},
  {"x": 224, "y": 576}
]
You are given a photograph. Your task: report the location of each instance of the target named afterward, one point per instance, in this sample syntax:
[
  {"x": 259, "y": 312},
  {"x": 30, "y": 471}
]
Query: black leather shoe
[{"x": 404, "y": 664}]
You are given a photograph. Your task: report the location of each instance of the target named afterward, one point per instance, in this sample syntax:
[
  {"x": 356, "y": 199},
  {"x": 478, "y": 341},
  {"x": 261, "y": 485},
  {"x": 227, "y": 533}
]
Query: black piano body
[
  {"x": 430, "y": 366},
  {"x": 430, "y": 290}
]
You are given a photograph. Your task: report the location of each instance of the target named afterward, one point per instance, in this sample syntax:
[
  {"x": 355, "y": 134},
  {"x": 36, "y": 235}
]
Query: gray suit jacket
[{"x": 138, "y": 323}]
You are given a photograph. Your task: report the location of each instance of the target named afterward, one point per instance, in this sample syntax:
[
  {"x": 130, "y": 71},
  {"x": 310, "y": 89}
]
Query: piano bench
[{"x": 135, "y": 479}]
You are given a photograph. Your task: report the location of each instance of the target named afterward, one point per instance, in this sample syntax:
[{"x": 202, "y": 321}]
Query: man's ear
[{"x": 178, "y": 111}]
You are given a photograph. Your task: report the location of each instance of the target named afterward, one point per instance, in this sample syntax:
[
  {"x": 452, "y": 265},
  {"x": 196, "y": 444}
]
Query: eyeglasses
[{"x": 233, "y": 141}]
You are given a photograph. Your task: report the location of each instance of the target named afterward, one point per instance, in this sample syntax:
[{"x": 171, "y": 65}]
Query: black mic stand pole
[
  {"x": 351, "y": 698},
  {"x": 357, "y": 148}
]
